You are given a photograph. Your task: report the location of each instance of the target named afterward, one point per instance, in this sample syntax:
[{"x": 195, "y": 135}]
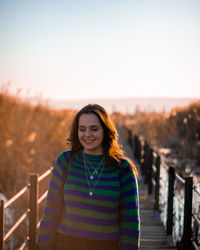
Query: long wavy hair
[{"x": 112, "y": 150}]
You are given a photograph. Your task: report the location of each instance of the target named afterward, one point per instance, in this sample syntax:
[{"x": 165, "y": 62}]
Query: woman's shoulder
[
  {"x": 127, "y": 165},
  {"x": 65, "y": 153},
  {"x": 63, "y": 160},
  {"x": 64, "y": 156},
  {"x": 121, "y": 163}
]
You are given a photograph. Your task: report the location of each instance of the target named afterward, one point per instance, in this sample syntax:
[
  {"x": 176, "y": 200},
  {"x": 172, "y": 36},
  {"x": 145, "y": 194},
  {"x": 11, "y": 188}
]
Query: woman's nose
[{"x": 87, "y": 133}]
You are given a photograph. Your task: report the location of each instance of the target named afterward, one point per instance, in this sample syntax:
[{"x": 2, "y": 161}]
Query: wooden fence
[
  {"x": 31, "y": 213},
  {"x": 151, "y": 165}
]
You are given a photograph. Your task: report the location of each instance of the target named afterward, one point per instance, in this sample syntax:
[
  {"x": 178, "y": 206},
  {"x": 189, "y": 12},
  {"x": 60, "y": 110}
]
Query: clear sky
[{"x": 101, "y": 48}]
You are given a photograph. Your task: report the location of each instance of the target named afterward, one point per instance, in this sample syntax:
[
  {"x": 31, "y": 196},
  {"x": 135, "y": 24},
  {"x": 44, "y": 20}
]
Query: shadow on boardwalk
[{"x": 153, "y": 234}]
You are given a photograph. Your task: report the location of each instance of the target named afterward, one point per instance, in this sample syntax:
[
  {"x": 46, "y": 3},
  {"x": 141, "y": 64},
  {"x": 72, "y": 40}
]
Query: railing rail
[
  {"x": 151, "y": 165},
  {"x": 15, "y": 226},
  {"x": 32, "y": 211},
  {"x": 17, "y": 196}
]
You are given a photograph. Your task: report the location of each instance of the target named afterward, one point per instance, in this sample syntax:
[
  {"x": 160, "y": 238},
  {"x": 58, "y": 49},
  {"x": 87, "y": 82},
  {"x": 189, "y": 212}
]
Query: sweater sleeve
[
  {"x": 48, "y": 223},
  {"x": 129, "y": 209}
]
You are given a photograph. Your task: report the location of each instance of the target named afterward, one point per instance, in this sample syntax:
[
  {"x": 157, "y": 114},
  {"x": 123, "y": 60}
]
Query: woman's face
[{"x": 90, "y": 134}]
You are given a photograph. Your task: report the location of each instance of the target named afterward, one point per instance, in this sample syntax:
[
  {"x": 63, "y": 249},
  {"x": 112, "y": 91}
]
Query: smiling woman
[
  {"x": 90, "y": 134},
  {"x": 100, "y": 208}
]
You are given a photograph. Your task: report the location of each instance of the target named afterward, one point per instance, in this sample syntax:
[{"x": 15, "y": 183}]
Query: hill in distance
[{"x": 126, "y": 105}]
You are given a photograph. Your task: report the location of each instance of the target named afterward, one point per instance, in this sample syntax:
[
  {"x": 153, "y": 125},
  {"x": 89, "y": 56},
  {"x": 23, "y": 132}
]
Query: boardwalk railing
[
  {"x": 163, "y": 183},
  {"x": 31, "y": 213}
]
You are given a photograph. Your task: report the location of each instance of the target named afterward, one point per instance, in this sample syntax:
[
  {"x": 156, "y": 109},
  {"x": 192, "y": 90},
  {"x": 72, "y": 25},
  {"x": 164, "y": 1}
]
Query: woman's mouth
[{"x": 88, "y": 141}]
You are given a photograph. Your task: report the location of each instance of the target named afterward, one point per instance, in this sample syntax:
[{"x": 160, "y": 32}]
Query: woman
[{"x": 100, "y": 209}]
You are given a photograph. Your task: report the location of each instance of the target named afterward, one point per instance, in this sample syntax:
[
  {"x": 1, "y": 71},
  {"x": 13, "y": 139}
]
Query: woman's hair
[{"x": 111, "y": 149}]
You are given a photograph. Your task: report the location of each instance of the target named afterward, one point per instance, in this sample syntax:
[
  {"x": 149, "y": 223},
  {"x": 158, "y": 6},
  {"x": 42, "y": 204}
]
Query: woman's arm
[
  {"x": 129, "y": 209},
  {"x": 48, "y": 224}
]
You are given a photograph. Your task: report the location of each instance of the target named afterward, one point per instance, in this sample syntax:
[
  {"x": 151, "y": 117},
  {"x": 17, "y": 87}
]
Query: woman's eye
[{"x": 91, "y": 129}]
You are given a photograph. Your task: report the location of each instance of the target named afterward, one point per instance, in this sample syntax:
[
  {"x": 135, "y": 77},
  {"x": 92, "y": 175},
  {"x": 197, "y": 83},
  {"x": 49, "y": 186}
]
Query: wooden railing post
[
  {"x": 150, "y": 171},
  {"x": 157, "y": 187},
  {"x": 144, "y": 162},
  {"x": 133, "y": 145},
  {"x": 187, "y": 213},
  {"x": 130, "y": 138},
  {"x": 137, "y": 148},
  {"x": 33, "y": 217},
  {"x": 171, "y": 178},
  {"x": 2, "y": 217}
]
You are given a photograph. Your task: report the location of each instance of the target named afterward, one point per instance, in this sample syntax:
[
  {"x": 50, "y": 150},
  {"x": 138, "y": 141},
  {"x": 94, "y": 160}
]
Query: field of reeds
[
  {"x": 31, "y": 138},
  {"x": 178, "y": 130}
]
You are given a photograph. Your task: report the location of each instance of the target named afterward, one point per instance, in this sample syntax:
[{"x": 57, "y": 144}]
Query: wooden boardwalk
[{"x": 153, "y": 234}]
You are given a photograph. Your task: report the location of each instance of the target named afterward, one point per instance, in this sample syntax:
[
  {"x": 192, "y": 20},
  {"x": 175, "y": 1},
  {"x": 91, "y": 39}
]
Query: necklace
[
  {"x": 91, "y": 188},
  {"x": 95, "y": 170}
]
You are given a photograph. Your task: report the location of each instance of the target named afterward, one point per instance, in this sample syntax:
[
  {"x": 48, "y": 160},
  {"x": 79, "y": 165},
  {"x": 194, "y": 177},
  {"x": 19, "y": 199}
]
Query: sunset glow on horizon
[{"x": 101, "y": 49}]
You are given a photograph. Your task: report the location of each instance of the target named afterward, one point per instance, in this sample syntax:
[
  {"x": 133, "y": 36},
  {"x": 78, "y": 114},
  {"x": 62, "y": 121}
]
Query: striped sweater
[{"x": 111, "y": 213}]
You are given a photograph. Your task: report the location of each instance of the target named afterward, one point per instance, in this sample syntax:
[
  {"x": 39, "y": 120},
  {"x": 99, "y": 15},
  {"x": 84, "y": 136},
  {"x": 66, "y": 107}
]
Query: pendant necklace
[
  {"x": 95, "y": 170},
  {"x": 91, "y": 188}
]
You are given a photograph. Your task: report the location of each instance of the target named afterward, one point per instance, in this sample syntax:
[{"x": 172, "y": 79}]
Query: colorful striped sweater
[{"x": 111, "y": 213}]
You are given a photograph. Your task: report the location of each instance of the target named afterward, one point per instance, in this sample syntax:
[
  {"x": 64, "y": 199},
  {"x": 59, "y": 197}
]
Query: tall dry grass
[
  {"x": 178, "y": 129},
  {"x": 31, "y": 138}
]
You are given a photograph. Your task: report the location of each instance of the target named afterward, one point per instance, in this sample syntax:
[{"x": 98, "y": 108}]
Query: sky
[{"x": 100, "y": 49}]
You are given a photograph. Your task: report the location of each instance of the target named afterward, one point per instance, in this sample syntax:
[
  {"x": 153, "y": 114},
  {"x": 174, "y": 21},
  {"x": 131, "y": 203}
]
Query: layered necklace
[{"x": 90, "y": 175}]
